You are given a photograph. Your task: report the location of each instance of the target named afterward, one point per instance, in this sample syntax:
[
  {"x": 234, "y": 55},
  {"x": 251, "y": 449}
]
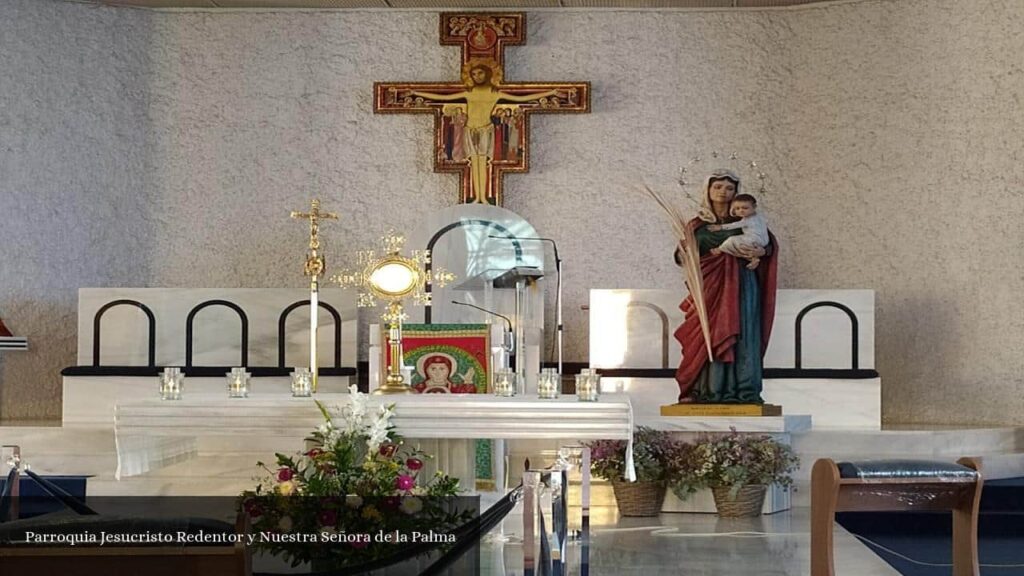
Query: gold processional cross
[
  {"x": 481, "y": 124},
  {"x": 314, "y": 269}
]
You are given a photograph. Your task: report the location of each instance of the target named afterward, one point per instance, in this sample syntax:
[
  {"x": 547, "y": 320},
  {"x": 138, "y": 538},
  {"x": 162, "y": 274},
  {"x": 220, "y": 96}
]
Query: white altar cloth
[{"x": 154, "y": 433}]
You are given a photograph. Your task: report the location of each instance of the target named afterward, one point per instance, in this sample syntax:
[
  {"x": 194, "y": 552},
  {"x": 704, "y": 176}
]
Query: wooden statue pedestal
[{"x": 695, "y": 409}]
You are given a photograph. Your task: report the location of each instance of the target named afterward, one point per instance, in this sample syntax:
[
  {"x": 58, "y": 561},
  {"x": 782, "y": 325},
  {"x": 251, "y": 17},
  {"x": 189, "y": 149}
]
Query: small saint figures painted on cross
[
  {"x": 479, "y": 135},
  {"x": 482, "y": 123}
]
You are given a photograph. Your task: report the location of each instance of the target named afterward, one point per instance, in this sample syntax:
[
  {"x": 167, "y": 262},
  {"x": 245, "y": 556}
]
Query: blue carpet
[
  {"x": 34, "y": 501},
  {"x": 926, "y": 536}
]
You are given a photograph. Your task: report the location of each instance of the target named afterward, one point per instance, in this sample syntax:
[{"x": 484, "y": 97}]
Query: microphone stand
[
  {"x": 558, "y": 305},
  {"x": 508, "y": 345},
  {"x": 559, "y": 326}
]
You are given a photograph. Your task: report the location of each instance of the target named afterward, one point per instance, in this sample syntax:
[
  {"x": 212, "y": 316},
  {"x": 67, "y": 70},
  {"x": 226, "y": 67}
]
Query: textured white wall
[
  {"x": 165, "y": 149},
  {"x": 74, "y": 199},
  {"x": 903, "y": 146}
]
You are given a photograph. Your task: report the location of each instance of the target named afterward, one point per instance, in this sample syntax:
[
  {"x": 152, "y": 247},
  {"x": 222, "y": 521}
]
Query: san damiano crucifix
[{"x": 481, "y": 124}]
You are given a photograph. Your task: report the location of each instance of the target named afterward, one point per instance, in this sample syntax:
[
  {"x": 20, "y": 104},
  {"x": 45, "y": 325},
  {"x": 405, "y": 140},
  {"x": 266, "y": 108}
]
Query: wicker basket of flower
[
  {"x": 738, "y": 468},
  {"x": 654, "y": 452}
]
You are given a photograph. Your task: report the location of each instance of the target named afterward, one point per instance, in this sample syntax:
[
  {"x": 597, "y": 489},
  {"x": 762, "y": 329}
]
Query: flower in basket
[
  {"x": 736, "y": 460},
  {"x": 655, "y": 457},
  {"x": 653, "y": 450},
  {"x": 358, "y": 481}
]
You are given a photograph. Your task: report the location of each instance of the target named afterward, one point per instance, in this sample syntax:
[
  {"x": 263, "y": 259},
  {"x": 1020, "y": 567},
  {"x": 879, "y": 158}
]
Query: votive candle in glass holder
[
  {"x": 171, "y": 383},
  {"x": 549, "y": 384},
  {"x": 504, "y": 382},
  {"x": 588, "y": 386},
  {"x": 302, "y": 383},
  {"x": 238, "y": 383}
]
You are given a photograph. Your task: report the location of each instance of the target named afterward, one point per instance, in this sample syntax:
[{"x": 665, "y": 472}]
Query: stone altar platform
[
  {"x": 153, "y": 434},
  {"x": 830, "y": 404}
]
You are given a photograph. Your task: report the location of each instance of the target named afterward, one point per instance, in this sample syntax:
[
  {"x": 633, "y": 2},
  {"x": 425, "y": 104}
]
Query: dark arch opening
[
  {"x": 854, "y": 331},
  {"x": 191, "y": 319},
  {"x": 283, "y": 319},
  {"x": 96, "y": 329},
  {"x": 427, "y": 312}
]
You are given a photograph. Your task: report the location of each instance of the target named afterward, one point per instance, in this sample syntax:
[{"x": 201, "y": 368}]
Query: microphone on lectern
[
  {"x": 506, "y": 338},
  {"x": 559, "y": 327}
]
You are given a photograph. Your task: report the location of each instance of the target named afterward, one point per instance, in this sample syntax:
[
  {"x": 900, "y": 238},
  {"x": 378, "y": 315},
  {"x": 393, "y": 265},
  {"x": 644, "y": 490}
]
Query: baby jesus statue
[{"x": 753, "y": 225}]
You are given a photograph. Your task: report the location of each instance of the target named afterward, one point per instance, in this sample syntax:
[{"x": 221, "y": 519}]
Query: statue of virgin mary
[{"x": 740, "y": 306}]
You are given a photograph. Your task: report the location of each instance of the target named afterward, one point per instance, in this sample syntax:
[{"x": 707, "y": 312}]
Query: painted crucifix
[{"x": 481, "y": 124}]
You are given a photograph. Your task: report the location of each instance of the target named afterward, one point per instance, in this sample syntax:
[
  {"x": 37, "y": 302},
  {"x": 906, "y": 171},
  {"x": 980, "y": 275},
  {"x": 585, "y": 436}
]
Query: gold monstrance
[
  {"x": 392, "y": 277},
  {"x": 314, "y": 268}
]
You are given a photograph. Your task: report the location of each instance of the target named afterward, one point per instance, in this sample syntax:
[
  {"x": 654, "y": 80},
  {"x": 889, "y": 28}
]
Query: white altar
[{"x": 153, "y": 433}]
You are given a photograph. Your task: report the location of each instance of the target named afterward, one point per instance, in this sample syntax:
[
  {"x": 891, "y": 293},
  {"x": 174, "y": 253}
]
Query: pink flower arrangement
[
  {"x": 735, "y": 460},
  {"x": 358, "y": 479},
  {"x": 405, "y": 482},
  {"x": 654, "y": 451}
]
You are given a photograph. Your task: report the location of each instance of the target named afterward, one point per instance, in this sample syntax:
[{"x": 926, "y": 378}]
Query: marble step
[
  {"x": 925, "y": 442},
  {"x": 56, "y": 450}
]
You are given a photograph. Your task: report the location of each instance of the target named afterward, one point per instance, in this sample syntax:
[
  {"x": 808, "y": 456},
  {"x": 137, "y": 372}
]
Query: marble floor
[
  {"x": 670, "y": 544},
  {"x": 673, "y": 543},
  {"x": 693, "y": 544}
]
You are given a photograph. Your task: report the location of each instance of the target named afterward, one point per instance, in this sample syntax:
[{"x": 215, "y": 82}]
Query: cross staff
[{"x": 314, "y": 268}]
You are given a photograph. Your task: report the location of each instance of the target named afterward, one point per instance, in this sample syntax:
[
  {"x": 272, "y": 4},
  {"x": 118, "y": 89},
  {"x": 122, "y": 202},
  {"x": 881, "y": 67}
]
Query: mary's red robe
[{"x": 721, "y": 274}]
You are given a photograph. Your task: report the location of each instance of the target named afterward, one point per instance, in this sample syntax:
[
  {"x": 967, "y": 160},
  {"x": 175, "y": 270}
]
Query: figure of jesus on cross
[
  {"x": 481, "y": 124},
  {"x": 481, "y": 76}
]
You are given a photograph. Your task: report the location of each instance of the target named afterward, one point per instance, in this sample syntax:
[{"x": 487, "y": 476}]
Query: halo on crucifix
[{"x": 481, "y": 124}]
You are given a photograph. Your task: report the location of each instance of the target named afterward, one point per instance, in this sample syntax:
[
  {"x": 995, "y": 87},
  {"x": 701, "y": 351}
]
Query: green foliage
[
  {"x": 655, "y": 456},
  {"x": 359, "y": 480},
  {"x": 735, "y": 460}
]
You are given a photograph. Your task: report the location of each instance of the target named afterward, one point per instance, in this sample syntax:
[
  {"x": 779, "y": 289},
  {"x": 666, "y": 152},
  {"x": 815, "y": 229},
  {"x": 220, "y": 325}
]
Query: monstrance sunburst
[{"x": 392, "y": 277}]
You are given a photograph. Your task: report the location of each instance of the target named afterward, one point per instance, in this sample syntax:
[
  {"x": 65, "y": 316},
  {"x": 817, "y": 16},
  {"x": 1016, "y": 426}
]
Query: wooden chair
[{"x": 893, "y": 485}]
